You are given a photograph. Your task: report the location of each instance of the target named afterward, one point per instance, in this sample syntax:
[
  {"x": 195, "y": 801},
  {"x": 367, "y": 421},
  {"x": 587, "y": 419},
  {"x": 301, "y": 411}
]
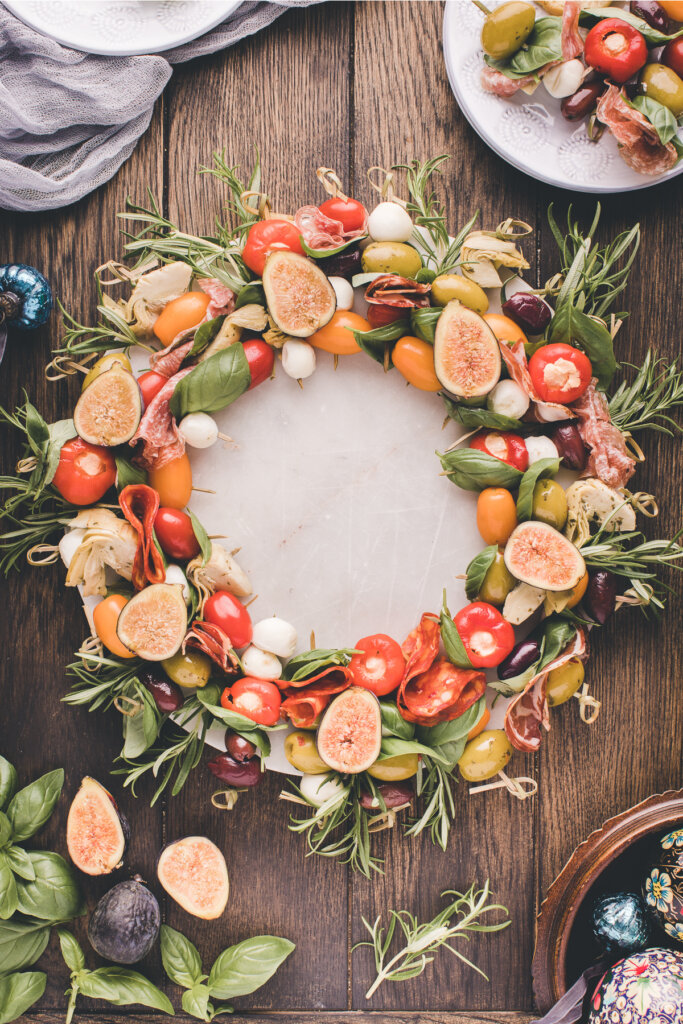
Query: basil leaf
[
  {"x": 659, "y": 116},
  {"x": 453, "y": 751},
  {"x": 477, "y": 569},
  {"x": 471, "y": 416},
  {"x": 127, "y": 473},
  {"x": 5, "y": 830},
  {"x": 8, "y": 782},
  {"x": 558, "y": 633},
  {"x": 54, "y": 894},
  {"x": 37, "y": 430},
  {"x": 571, "y": 326},
  {"x": 141, "y": 729},
  {"x": 653, "y": 36},
  {"x": 543, "y": 45},
  {"x": 310, "y": 663},
  {"x": 393, "y": 722},
  {"x": 252, "y": 293},
  {"x": 243, "y": 968},
  {"x": 437, "y": 736},
  {"x": 33, "y": 805},
  {"x": 392, "y": 746},
  {"x": 121, "y": 986},
  {"x": 537, "y": 471},
  {"x": 377, "y": 343},
  {"x": 321, "y": 254},
  {"x": 201, "y": 535},
  {"x": 231, "y": 718},
  {"x": 22, "y": 943},
  {"x": 18, "y": 992},
  {"x": 423, "y": 322},
  {"x": 473, "y": 470},
  {"x": 180, "y": 958},
  {"x": 71, "y": 950},
  {"x": 205, "y": 334},
  {"x": 20, "y": 862},
  {"x": 9, "y": 899},
  {"x": 60, "y": 432},
  {"x": 452, "y": 641},
  {"x": 213, "y": 384},
  {"x": 195, "y": 1001}
]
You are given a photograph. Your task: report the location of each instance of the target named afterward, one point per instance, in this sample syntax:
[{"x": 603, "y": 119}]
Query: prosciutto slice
[
  {"x": 169, "y": 360},
  {"x": 638, "y": 141},
  {"x": 322, "y": 232},
  {"x": 158, "y": 430},
  {"x": 500, "y": 85},
  {"x": 222, "y": 297},
  {"x": 515, "y": 360},
  {"x": 571, "y": 39},
  {"x": 609, "y": 459}
]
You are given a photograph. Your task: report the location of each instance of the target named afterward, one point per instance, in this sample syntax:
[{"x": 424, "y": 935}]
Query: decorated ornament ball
[
  {"x": 620, "y": 922},
  {"x": 663, "y": 885},
  {"x": 645, "y": 988}
]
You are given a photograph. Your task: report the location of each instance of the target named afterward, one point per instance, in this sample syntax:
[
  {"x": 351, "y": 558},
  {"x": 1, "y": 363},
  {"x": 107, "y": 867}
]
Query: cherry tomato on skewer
[
  {"x": 173, "y": 482},
  {"x": 224, "y": 610},
  {"x": 256, "y": 699},
  {"x": 349, "y": 212},
  {"x": 85, "y": 472},
  {"x": 267, "y": 236},
  {"x": 176, "y": 534},
  {"x": 380, "y": 667},
  {"x": 181, "y": 314},
  {"x": 150, "y": 384}
]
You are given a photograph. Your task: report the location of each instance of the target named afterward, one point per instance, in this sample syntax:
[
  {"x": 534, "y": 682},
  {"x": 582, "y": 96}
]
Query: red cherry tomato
[
  {"x": 85, "y": 472},
  {"x": 260, "y": 358},
  {"x": 616, "y": 49},
  {"x": 265, "y": 237},
  {"x": 560, "y": 373},
  {"x": 672, "y": 56},
  {"x": 379, "y": 315},
  {"x": 507, "y": 447},
  {"x": 256, "y": 699},
  {"x": 486, "y": 635},
  {"x": 226, "y": 611},
  {"x": 181, "y": 314},
  {"x": 380, "y": 667},
  {"x": 350, "y": 212},
  {"x": 150, "y": 385},
  {"x": 175, "y": 533}
]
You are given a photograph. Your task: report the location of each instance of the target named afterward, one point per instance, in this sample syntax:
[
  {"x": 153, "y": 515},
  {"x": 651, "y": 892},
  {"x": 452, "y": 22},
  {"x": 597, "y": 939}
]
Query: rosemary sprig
[
  {"x": 631, "y": 556},
  {"x": 111, "y": 331},
  {"x": 235, "y": 205},
  {"x": 435, "y": 787},
  {"x": 99, "y": 680},
  {"x": 643, "y": 404},
  {"x": 461, "y": 917}
]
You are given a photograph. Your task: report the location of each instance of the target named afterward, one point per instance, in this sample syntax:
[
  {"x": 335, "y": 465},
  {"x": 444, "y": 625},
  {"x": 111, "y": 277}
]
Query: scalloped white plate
[{"x": 529, "y": 132}]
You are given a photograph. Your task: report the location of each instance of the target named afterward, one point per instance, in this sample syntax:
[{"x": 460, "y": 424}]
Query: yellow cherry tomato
[
  {"x": 414, "y": 360},
  {"x": 481, "y": 725},
  {"x": 173, "y": 482},
  {"x": 496, "y": 515},
  {"x": 674, "y": 8},
  {"x": 180, "y": 314},
  {"x": 337, "y": 336},
  {"x": 578, "y": 591},
  {"x": 106, "y": 363},
  {"x": 105, "y": 617},
  {"x": 504, "y": 328}
]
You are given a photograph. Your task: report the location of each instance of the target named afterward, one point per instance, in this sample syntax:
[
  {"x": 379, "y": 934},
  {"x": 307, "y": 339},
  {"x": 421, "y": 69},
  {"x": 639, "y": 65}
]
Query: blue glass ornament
[{"x": 620, "y": 922}]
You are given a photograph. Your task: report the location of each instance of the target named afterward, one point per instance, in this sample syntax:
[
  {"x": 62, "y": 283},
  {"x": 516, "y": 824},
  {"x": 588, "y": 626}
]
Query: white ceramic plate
[
  {"x": 122, "y": 27},
  {"x": 529, "y": 131}
]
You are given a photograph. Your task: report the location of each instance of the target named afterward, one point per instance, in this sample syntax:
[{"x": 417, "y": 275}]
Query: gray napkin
[{"x": 68, "y": 120}]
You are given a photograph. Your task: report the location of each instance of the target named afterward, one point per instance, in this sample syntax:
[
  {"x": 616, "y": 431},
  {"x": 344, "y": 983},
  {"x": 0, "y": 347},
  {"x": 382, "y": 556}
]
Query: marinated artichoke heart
[
  {"x": 220, "y": 572},
  {"x": 107, "y": 540},
  {"x": 591, "y": 504},
  {"x": 522, "y": 602},
  {"x": 251, "y": 317},
  {"x": 483, "y": 254}
]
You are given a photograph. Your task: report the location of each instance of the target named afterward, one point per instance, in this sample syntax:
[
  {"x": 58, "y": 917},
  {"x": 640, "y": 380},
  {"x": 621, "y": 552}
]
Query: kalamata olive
[
  {"x": 651, "y": 12},
  {"x": 570, "y": 446},
  {"x": 522, "y": 655},
  {"x": 394, "y": 794},
  {"x": 601, "y": 595},
  {"x": 239, "y": 749},
  {"x": 236, "y": 773},
  {"x": 344, "y": 264},
  {"x": 167, "y": 696},
  {"x": 582, "y": 103},
  {"x": 528, "y": 311}
]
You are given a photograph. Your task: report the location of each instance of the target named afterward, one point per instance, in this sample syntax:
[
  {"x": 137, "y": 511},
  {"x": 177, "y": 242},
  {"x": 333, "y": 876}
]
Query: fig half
[
  {"x": 96, "y": 831},
  {"x": 154, "y": 622},
  {"x": 300, "y": 298},
  {"x": 125, "y": 923},
  {"x": 539, "y": 555},
  {"x": 109, "y": 409},
  {"x": 194, "y": 873},
  {"x": 350, "y": 731},
  {"x": 466, "y": 352}
]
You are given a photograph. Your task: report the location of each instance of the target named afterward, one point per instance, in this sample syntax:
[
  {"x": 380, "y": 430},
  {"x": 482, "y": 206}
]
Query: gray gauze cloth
[{"x": 68, "y": 120}]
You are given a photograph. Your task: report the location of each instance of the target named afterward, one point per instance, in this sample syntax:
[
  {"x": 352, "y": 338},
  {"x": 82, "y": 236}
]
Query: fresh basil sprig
[
  {"x": 393, "y": 722},
  {"x": 44, "y": 442},
  {"x": 537, "y": 471},
  {"x": 310, "y": 663},
  {"x": 452, "y": 641},
  {"x": 237, "y": 971},
  {"x": 477, "y": 569},
  {"x": 474, "y": 470},
  {"x": 543, "y": 45},
  {"x": 378, "y": 343},
  {"x": 472, "y": 417},
  {"x": 659, "y": 116},
  {"x": 423, "y": 321},
  {"x": 201, "y": 535},
  {"x": 213, "y": 384},
  {"x": 205, "y": 334},
  {"x": 127, "y": 473},
  {"x": 449, "y": 738},
  {"x": 571, "y": 326},
  {"x": 557, "y": 634}
]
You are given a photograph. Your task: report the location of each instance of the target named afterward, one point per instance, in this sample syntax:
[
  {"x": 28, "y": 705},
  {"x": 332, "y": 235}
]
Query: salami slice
[
  {"x": 140, "y": 504},
  {"x": 322, "y": 232},
  {"x": 169, "y": 360},
  {"x": 500, "y": 85},
  {"x": 638, "y": 140},
  {"x": 609, "y": 459},
  {"x": 421, "y": 647},
  {"x": 212, "y": 641},
  {"x": 400, "y": 292},
  {"x": 514, "y": 357},
  {"x": 305, "y": 700},
  {"x": 158, "y": 430},
  {"x": 440, "y": 694},
  {"x": 571, "y": 39},
  {"x": 222, "y": 297}
]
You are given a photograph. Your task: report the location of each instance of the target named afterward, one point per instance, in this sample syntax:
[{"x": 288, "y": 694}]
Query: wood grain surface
[{"x": 347, "y": 86}]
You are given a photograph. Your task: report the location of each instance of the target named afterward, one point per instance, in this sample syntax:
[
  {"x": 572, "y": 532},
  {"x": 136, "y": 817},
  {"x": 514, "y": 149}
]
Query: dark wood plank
[{"x": 353, "y": 1017}]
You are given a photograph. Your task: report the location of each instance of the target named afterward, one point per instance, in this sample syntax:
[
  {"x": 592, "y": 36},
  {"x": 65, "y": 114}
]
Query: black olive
[
  {"x": 167, "y": 696},
  {"x": 344, "y": 264},
  {"x": 601, "y": 595},
  {"x": 570, "y": 446},
  {"x": 522, "y": 655},
  {"x": 651, "y": 12},
  {"x": 582, "y": 103},
  {"x": 236, "y": 773},
  {"x": 239, "y": 748},
  {"x": 394, "y": 794},
  {"x": 528, "y": 311}
]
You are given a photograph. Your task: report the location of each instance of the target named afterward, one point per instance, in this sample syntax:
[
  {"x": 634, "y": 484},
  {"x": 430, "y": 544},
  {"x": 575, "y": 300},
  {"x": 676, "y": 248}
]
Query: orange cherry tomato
[
  {"x": 481, "y": 725},
  {"x": 337, "y": 336},
  {"x": 674, "y": 8},
  {"x": 180, "y": 314},
  {"x": 504, "y": 328},
  {"x": 578, "y": 591},
  {"x": 105, "y": 616},
  {"x": 496, "y": 515},
  {"x": 173, "y": 482},
  {"x": 414, "y": 360}
]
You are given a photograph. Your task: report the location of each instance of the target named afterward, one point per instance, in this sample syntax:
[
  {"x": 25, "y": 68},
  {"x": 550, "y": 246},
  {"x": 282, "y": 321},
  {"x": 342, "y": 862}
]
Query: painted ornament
[
  {"x": 620, "y": 922},
  {"x": 663, "y": 885},
  {"x": 645, "y": 988}
]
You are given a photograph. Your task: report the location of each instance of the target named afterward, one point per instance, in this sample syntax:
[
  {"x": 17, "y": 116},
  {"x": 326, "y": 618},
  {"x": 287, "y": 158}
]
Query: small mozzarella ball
[
  {"x": 343, "y": 291},
  {"x": 298, "y": 359},
  {"x": 390, "y": 222},
  {"x": 508, "y": 399},
  {"x": 318, "y": 789},
  {"x": 541, "y": 448},
  {"x": 69, "y": 544},
  {"x": 260, "y": 664},
  {"x": 564, "y": 79},
  {"x": 275, "y": 636},
  {"x": 199, "y": 430},
  {"x": 174, "y": 574}
]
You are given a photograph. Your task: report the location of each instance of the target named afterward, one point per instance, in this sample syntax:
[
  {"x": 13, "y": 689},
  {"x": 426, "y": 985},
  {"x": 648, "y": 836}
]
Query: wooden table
[{"x": 348, "y": 87}]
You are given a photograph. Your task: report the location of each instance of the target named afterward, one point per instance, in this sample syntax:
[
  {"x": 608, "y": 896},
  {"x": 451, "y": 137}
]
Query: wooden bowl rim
[{"x": 564, "y": 897}]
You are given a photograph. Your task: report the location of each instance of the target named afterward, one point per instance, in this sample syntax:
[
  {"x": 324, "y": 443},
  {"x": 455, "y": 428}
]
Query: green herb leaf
[
  {"x": 558, "y": 633},
  {"x": 251, "y": 293},
  {"x": 195, "y": 1001},
  {"x": 18, "y": 992},
  {"x": 474, "y": 470},
  {"x": 8, "y": 782},
  {"x": 652, "y": 35},
  {"x": 180, "y": 958},
  {"x": 392, "y": 746},
  {"x": 543, "y": 45},
  {"x": 449, "y": 738},
  {"x": 233, "y": 719},
  {"x": 393, "y": 722},
  {"x": 472, "y": 417},
  {"x": 127, "y": 473},
  {"x": 54, "y": 894},
  {"x": 537, "y": 471},
  {"x": 477, "y": 569},
  {"x": 423, "y": 321},
  {"x": 71, "y": 950},
  {"x": 377, "y": 343},
  {"x": 452, "y": 641},
  {"x": 320, "y": 254},
  {"x": 310, "y": 663},
  {"x": 659, "y": 116},
  {"x": 201, "y": 535},
  {"x": 243, "y": 968},
  {"x": 20, "y": 862},
  {"x": 205, "y": 334},
  {"x": 213, "y": 384},
  {"x": 9, "y": 899},
  {"x": 5, "y": 830},
  {"x": 571, "y": 326},
  {"x": 22, "y": 943},
  {"x": 140, "y": 730},
  {"x": 32, "y": 806},
  {"x": 122, "y": 987}
]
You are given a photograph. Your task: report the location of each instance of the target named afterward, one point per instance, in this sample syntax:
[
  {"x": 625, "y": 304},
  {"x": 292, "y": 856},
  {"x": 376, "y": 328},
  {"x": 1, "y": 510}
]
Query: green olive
[
  {"x": 498, "y": 582},
  {"x": 391, "y": 258},
  {"x": 549, "y": 504},
  {"x": 453, "y": 286},
  {"x": 485, "y": 755},
  {"x": 302, "y": 753},
  {"x": 507, "y": 28},
  {"x": 664, "y": 85},
  {"x": 191, "y": 670},
  {"x": 563, "y": 682},
  {"x": 106, "y": 363},
  {"x": 394, "y": 769}
]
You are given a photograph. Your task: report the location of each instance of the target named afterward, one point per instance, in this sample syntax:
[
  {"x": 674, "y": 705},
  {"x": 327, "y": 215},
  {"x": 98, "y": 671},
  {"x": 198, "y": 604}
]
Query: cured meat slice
[
  {"x": 609, "y": 459},
  {"x": 440, "y": 694},
  {"x": 638, "y": 141},
  {"x": 322, "y": 232},
  {"x": 515, "y": 360},
  {"x": 162, "y": 441},
  {"x": 306, "y": 699},
  {"x": 571, "y": 39},
  {"x": 210, "y": 639},
  {"x": 222, "y": 297},
  {"x": 140, "y": 504},
  {"x": 421, "y": 647},
  {"x": 396, "y": 291},
  {"x": 500, "y": 85},
  {"x": 169, "y": 360}
]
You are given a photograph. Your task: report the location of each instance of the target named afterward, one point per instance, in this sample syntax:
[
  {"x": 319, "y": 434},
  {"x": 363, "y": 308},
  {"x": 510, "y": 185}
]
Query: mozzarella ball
[
  {"x": 564, "y": 79},
  {"x": 541, "y": 448},
  {"x": 318, "y": 789},
  {"x": 390, "y": 222},
  {"x": 199, "y": 430},
  {"x": 508, "y": 399},
  {"x": 174, "y": 574},
  {"x": 298, "y": 359},
  {"x": 260, "y": 664},
  {"x": 343, "y": 291},
  {"x": 275, "y": 636},
  {"x": 69, "y": 543}
]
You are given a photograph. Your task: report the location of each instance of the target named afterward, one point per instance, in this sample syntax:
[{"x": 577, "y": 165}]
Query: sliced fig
[
  {"x": 300, "y": 298},
  {"x": 125, "y": 923},
  {"x": 350, "y": 731},
  {"x": 539, "y": 555},
  {"x": 466, "y": 352},
  {"x": 193, "y": 873},
  {"x": 154, "y": 622},
  {"x": 96, "y": 831},
  {"x": 109, "y": 409}
]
